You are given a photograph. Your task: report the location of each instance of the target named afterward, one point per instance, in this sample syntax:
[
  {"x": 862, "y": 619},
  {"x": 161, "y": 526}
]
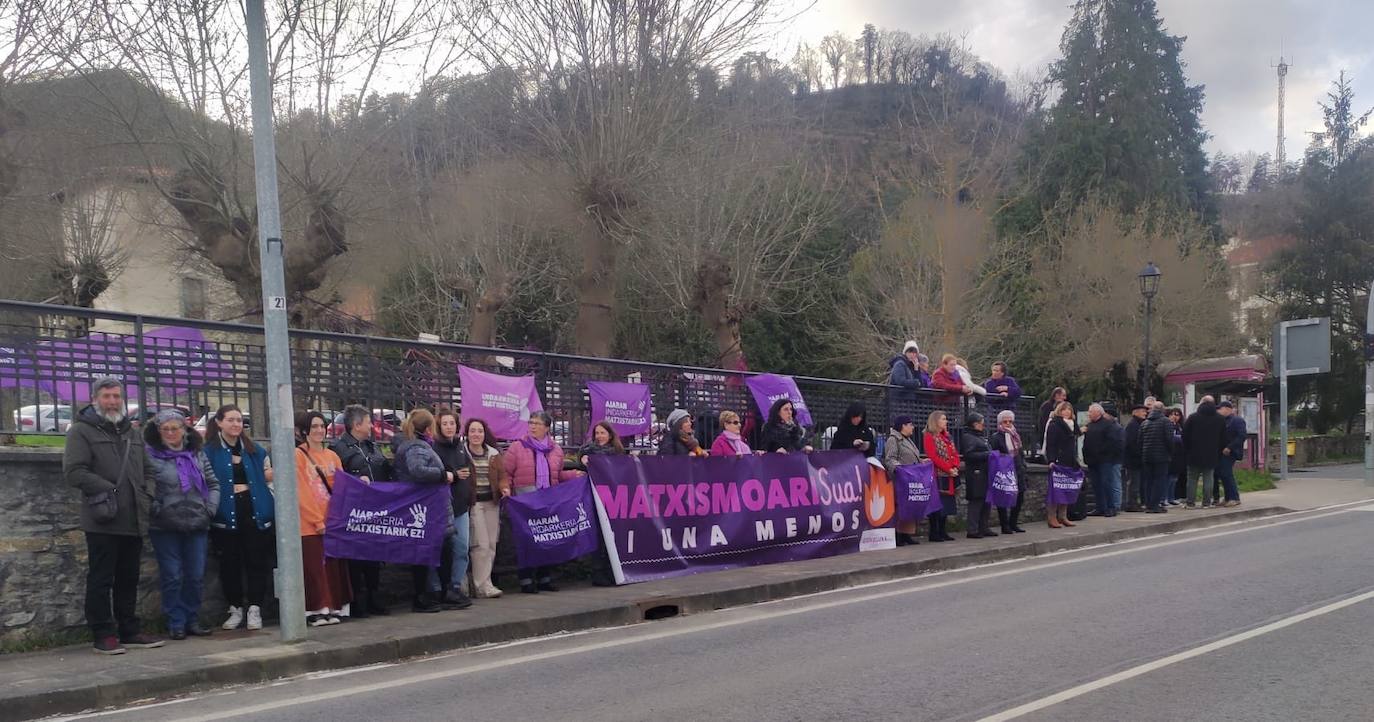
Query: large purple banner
[
  {"x": 668, "y": 516},
  {"x": 628, "y": 408},
  {"x": 767, "y": 388},
  {"x": 1064, "y": 485},
  {"x": 917, "y": 496},
  {"x": 554, "y": 525},
  {"x": 504, "y": 402},
  {"x": 1002, "y": 486},
  {"x": 388, "y": 521},
  {"x": 176, "y": 360}
]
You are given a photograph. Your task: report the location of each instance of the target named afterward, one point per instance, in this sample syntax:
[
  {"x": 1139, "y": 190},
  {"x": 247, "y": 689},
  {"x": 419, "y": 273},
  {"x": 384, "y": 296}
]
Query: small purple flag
[
  {"x": 768, "y": 388},
  {"x": 504, "y": 402},
  {"x": 1064, "y": 484},
  {"x": 554, "y": 525},
  {"x": 396, "y": 522},
  {"x": 1002, "y": 486},
  {"x": 628, "y": 408},
  {"x": 917, "y": 496}
]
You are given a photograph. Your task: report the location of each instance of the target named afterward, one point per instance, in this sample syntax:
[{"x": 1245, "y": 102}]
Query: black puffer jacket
[
  {"x": 777, "y": 435},
  {"x": 362, "y": 459},
  {"x": 974, "y": 450},
  {"x": 1156, "y": 438},
  {"x": 454, "y": 453}
]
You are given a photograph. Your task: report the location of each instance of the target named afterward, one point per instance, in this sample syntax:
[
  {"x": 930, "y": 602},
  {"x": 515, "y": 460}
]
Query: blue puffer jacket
[{"x": 264, "y": 514}]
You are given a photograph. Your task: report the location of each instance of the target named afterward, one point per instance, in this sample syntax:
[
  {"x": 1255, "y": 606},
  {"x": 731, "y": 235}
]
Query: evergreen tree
[
  {"x": 1261, "y": 176},
  {"x": 1125, "y": 126}
]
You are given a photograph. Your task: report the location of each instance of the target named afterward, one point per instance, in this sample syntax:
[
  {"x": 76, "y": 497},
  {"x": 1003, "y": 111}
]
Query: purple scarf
[
  {"x": 188, "y": 469},
  {"x": 541, "y": 450},
  {"x": 737, "y": 443}
]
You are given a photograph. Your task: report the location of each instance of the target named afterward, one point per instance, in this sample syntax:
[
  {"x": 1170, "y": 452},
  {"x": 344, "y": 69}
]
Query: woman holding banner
[
  {"x": 1061, "y": 447},
  {"x": 782, "y": 433},
  {"x": 242, "y": 533},
  {"x": 900, "y": 450},
  {"x": 974, "y": 450},
  {"x": 535, "y": 462},
  {"x": 940, "y": 449},
  {"x": 731, "y": 441},
  {"x": 490, "y": 486},
  {"x": 604, "y": 442},
  {"x": 361, "y": 458},
  {"x": 451, "y": 447},
  {"x": 1007, "y": 440},
  {"x": 327, "y": 591},
  {"x": 417, "y": 462}
]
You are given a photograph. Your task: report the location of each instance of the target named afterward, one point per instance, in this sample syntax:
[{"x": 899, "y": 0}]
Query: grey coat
[
  {"x": 416, "y": 461},
  {"x": 898, "y": 451},
  {"x": 175, "y": 510},
  {"x": 91, "y": 463}
]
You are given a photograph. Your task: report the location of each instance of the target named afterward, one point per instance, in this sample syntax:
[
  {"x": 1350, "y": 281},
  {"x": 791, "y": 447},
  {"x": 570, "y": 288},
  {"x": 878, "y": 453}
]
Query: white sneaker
[
  {"x": 490, "y": 591},
  {"x": 255, "y": 617},
  {"x": 235, "y": 618}
]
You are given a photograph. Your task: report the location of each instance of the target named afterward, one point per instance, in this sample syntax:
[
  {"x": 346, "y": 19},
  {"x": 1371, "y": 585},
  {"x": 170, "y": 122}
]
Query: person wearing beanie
[
  {"x": 900, "y": 449},
  {"x": 903, "y": 373},
  {"x": 680, "y": 438},
  {"x": 974, "y": 450},
  {"x": 853, "y": 431}
]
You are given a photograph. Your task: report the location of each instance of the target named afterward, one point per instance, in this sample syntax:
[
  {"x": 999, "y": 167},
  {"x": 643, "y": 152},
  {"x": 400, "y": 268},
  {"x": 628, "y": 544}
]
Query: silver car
[{"x": 43, "y": 418}]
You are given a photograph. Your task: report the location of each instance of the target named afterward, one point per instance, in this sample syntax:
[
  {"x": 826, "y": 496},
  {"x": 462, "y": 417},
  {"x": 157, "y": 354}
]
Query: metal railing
[{"x": 49, "y": 355}]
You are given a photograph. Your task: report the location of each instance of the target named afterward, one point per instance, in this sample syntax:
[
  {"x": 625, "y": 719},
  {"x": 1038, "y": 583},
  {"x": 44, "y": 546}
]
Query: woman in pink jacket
[{"x": 535, "y": 462}]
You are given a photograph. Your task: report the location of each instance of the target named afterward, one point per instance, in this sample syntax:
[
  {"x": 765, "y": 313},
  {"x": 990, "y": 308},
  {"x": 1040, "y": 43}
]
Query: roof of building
[{"x": 1250, "y": 367}]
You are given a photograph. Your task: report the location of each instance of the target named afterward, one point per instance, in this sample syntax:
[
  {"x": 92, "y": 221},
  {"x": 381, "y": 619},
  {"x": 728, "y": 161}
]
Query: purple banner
[
  {"x": 1002, "y": 486},
  {"x": 917, "y": 495},
  {"x": 768, "y": 388},
  {"x": 628, "y": 408},
  {"x": 554, "y": 525},
  {"x": 389, "y": 521},
  {"x": 504, "y": 402},
  {"x": 1064, "y": 483},
  {"x": 669, "y": 516},
  {"x": 176, "y": 360}
]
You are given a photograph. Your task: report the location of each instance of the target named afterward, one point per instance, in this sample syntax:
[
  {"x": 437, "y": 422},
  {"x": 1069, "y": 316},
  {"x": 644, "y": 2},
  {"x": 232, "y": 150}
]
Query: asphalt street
[{"x": 1254, "y": 621}]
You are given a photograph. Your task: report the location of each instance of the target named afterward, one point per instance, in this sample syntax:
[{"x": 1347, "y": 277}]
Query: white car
[{"x": 46, "y": 417}]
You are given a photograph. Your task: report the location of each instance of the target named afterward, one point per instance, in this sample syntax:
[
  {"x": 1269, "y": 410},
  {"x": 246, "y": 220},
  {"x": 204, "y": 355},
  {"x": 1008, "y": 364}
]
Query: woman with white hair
[{"x": 1007, "y": 440}]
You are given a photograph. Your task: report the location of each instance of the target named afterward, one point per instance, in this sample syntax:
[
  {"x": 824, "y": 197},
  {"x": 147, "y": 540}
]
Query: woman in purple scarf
[
  {"x": 535, "y": 462},
  {"x": 185, "y": 497}
]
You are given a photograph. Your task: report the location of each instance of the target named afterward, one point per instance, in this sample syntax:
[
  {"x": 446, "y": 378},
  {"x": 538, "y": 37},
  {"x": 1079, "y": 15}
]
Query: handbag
[{"x": 105, "y": 505}]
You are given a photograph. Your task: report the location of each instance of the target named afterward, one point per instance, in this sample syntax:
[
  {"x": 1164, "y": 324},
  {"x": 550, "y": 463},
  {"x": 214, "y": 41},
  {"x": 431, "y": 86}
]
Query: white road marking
[
  {"x": 1172, "y": 659},
  {"x": 765, "y": 611}
]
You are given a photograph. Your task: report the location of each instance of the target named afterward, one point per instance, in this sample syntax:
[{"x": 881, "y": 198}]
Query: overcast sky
[{"x": 1230, "y": 46}]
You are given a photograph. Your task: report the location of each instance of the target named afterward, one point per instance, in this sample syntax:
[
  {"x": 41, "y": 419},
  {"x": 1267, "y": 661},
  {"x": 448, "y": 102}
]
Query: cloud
[{"x": 1230, "y": 47}]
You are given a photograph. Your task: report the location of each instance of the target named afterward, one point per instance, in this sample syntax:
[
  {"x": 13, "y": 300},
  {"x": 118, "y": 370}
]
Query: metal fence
[{"x": 49, "y": 355}]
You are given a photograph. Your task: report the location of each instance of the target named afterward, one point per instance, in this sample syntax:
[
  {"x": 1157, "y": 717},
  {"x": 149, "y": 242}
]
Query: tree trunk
[
  {"x": 482, "y": 325},
  {"x": 712, "y": 303},
  {"x": 595, "y": 327}
]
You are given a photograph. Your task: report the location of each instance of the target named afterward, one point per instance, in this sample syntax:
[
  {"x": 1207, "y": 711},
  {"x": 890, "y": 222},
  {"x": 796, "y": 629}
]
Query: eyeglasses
[{"x": 732, "y": 423}]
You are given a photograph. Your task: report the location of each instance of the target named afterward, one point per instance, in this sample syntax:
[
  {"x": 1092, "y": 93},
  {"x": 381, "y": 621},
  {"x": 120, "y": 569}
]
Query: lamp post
[{"x": 1149, "y": 286}]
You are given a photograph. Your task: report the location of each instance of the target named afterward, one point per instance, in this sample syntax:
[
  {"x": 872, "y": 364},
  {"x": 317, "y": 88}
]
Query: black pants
[
  {"x": 365, "y": 576},
  {"x": 246, "y": 556},
  {"x": 1010, "y": 517},
  {"x": 1137, "y": 494},
  {"x": 540, "y": 575},
  {"x": 112, "y": 576}
]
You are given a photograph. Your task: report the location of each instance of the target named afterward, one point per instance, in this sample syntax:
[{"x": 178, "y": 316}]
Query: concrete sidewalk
[{"x": 72, "y": 679}]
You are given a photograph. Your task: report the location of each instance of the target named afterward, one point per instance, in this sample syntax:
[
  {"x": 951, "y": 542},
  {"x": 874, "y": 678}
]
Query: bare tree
[
  {"x": 86, "y": 256},
  {"x": 612, "y": 88},
  {"x": 835, "y": 47},
  {"x": 807, "y": 63}
]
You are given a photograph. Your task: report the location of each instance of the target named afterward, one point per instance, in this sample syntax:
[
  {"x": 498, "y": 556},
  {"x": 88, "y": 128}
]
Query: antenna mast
[{"x": 1280, "y": 156}]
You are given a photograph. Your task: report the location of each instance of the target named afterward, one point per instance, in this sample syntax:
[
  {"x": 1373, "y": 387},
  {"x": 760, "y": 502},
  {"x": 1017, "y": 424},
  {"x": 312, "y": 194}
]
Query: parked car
[
  {"x": 137, "y": 418},
  {"x": 43, "y": 418},
  {"x": 385, "y": 424}
]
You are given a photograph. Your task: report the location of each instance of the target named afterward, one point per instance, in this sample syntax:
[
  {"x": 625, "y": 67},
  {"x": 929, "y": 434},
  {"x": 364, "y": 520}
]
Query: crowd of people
[{"x": 194, "y": 496}]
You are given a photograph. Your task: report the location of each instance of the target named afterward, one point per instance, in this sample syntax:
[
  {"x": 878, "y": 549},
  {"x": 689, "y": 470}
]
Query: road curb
[{"x": 312, "y": 656}]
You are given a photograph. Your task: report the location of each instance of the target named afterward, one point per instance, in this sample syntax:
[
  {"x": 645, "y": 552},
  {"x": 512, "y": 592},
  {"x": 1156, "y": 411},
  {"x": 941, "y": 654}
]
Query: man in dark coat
[
  {"x": 1204, "y": 436},
  {"x": 1155, "y": 441},
  {"x": 1234, "y": 451},
  {"x": 903, "y": 373},
  {"x": 1102, "y": 452},
  {"x": 1135, "y": 477},
  {"x": 104, "y": 458}
]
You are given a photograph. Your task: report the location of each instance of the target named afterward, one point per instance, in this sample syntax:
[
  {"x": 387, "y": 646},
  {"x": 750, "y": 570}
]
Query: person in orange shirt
[{"x": 327, "y": 591}]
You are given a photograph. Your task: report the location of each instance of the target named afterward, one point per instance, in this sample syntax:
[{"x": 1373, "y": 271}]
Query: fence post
[{"x": 139, "y": 359}]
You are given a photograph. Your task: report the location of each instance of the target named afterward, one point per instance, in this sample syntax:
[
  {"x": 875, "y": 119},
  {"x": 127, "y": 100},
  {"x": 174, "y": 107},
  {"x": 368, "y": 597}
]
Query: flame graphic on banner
[{"x": 879, "y": 497}]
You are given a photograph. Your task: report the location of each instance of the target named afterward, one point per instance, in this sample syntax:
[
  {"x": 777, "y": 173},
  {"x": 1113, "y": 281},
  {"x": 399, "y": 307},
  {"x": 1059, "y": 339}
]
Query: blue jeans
[
  {"x": 181, "y": 569},
  {"x": 1158, "y": 484},
  {"x": 1226, "y": 473},
  {"x": 455, "y": 553},
  {"x": 1106, "y": 486}
]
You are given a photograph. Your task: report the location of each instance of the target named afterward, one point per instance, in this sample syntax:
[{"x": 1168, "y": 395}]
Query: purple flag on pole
[
  {"x": 669, "y": 516},
  {"x": 1002, "y": 486},
  {"x": 768, "y": 388},
  {"x": 628, "y": 408},
  {"x": 504, "y": 402},
  {"x": 1064, "y": 484},
  {"x": 395, "y": 522},
  {"x": 554, "y": 525},
  {"x": 917, "y": 495}
]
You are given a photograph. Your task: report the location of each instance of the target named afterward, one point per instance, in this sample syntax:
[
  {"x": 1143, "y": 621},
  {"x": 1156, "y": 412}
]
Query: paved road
[{"x": 1113, "y": 633}]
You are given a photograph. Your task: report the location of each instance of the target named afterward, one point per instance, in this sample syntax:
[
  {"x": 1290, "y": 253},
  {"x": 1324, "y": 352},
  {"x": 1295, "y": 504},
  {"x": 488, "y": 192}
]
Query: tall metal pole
[
  {"x": 290, "y": 584},
  {"x": 1283, "y": 400},
  {"x": 1145, "y": 365},
  {"x": 1369, "y": 390}
]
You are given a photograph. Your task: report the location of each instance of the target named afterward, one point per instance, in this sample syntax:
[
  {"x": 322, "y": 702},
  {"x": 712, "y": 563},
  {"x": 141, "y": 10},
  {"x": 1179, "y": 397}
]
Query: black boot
[
  {"x": 1002, "y": 517},
  {"x": 357, "y": 609},
  {"x": 933, "y": 528},
  {"x": 974, "y": 524},
  {"x": 985, "y": 521}
]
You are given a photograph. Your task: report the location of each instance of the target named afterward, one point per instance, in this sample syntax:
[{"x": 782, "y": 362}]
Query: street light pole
[
  {"x": 1369, "y": 389},
  {"x": 290, "y": 585},
  {"x": 1149, "y": 286}
]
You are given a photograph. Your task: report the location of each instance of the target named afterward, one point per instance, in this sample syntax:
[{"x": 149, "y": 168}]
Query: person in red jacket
[
  {"x": 947, "y": 378},
  {"x": 940, "y": 449}
]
